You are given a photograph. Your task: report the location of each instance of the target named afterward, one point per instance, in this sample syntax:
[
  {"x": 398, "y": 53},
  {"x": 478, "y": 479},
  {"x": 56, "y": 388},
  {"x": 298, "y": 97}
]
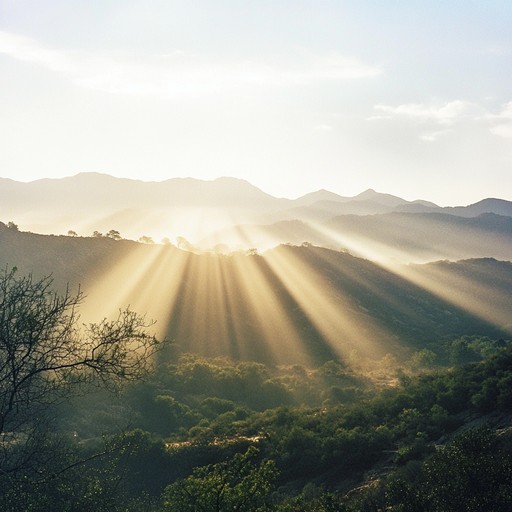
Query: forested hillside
[
  {"x": 255, "y": 256},
  {"x": 214, "y": 434},
  {"x": 301, "y": 379},
  {"x": 288, "y": 305},
  {"x": 404, "y": 237}
]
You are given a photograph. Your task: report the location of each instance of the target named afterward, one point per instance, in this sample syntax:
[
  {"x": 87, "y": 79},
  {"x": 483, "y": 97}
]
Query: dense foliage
[{"x": 219, "y": 435}]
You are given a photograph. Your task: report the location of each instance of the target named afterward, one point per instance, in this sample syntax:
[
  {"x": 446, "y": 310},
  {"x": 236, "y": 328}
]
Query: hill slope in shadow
[{"x": 290, "y": 305}]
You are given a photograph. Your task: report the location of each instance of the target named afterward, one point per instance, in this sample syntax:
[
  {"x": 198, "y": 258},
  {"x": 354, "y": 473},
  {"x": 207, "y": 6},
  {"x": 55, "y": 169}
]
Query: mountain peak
[
  {"x": 319, "y": 195},
  {"x": 370, "y": 192},
  {"x": 489, "y": 205},
  {"x": 377, "y": 197}
]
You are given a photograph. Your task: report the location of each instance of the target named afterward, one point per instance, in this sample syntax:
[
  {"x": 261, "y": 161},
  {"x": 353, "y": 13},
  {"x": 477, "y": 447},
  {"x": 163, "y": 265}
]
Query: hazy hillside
[
  {"x": 498, "y": 206},
  {"x": 426, "y": 236},
  {"x": 212, "y": 212},
  {"x": 90, "y": 201},
  {"x": 292, "y": 304},
  {"x": 401, "y": 237}
]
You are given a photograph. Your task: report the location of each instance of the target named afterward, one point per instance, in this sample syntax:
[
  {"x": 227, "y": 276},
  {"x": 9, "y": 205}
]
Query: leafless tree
[{"x": 46, "y": 356}]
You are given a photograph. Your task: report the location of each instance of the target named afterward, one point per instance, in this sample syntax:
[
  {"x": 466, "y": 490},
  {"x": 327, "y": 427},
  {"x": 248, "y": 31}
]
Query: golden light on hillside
[
  {"x": 239, "y": 305},
  {"x": 341, "y": 322},
  {"x": 223, "y": 301},
  {"x": 147, "y": 280},
  {"x": 208, "y": 303},
  {"x": 291, "y": 303},
  {"x": 278, "y": 332},
  {"x": 468, "y": 292},
  {"x": 364, "y": 247}
]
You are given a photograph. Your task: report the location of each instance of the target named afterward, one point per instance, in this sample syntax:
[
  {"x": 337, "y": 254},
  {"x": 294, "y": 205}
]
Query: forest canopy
[{"x": 184, "y": 432}]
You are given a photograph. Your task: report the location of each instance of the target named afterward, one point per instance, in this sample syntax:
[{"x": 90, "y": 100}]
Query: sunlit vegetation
[
  {"x": 301, "y": 379},
  {"x": 303, "y": 305},
  {"x": 202, "y": 433}
]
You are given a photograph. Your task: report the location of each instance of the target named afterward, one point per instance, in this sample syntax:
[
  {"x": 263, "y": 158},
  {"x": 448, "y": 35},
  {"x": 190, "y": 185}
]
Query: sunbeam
[
  {"x": 295, "y": 304},
  {"x": 146, "y": 280},
  {"x": 342, "y": 323},
  {"x": 465, "y": 284},
  {"x": 278, "y": 332}
]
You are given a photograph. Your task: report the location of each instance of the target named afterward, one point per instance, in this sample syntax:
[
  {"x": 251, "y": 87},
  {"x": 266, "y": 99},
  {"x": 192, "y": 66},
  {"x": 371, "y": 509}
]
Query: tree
[
  {"x": 12, "y": 225},
  {"x": 114, "y": 234},
  {"x": 238, "y": 485},
  {"x": 184, "y": 244},
  {"x": 97, "y": 234},
  {"x": 146, "y": 240},
  {"x": 424, "y": 358},
  {"x": 46, "y": 357},
  {"x": 472, "y": 473},
  {"x": 72, "y": 233}
]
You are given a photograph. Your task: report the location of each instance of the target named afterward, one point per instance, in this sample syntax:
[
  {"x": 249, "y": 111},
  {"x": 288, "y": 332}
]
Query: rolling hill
[
  {"x": 291, "y": 304},
  {"x": 403, "y": 237},
  {"x": 216, "y": 212}
]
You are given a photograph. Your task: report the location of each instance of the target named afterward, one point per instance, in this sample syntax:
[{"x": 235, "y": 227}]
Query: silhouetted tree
[
  {"x": 184, "y": 244},
  {"x": 114, "y": 234},
  {"x": 72, "y": 233},
  {"x": 45, "y": 357},
  {"x": 97, "y": 234},
  {"x": 146, "y": 240},
  {"x": 12, "y": 225}
]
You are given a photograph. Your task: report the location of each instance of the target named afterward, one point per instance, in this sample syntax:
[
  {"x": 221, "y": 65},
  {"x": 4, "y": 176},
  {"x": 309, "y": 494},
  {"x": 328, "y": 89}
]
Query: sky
[{"x": 407, "y": 97}]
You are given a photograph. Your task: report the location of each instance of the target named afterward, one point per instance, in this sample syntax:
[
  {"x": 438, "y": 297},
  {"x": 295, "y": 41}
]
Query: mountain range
[{"x": 228, "y": 214}]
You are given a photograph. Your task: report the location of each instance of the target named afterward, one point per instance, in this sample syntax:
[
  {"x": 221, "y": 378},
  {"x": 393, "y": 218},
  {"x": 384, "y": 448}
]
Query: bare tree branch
[{"x": 46, "y": 356}]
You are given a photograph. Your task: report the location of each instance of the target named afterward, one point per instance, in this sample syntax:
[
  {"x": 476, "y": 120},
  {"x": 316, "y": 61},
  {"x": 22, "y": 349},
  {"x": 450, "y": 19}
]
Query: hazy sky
[{"x": 408, "y": 97}]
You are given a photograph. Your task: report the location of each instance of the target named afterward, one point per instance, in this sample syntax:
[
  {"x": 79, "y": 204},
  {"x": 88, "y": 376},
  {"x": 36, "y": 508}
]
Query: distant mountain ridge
[
  {"x": 95, "y": 188},
  {"x": 197, "y": 209},
  {"x": 406, "y": 237}
]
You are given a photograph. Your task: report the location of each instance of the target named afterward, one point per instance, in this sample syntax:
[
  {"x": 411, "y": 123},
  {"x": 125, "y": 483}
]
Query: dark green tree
[
  {"x": 114, "y": 234},
  {"x": 242, "y": 484},
  {"x": 472, "y": 474}
]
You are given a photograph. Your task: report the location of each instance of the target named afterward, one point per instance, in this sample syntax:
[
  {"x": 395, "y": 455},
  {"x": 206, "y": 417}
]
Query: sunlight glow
[
  {"x": 292, "y": 303},
  {"x": 491, "y": 304},
  {"x": 147, "y": 281},
  {"x": 342, "y": 324},
  {"x": 279, "y": 334}
]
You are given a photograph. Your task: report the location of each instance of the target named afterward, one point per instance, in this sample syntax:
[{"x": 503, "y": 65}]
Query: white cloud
[
  {"x": 177, "y": 73},
  {"x": 502, "y": 122},
  {"x": 433, "y": 136},
  {"x": 323, "y": 128},
  {"x": 506, "y": 111},
  {"x": 446, "y": 114},
  {"x": 503, "y": 130},
  {"x": 378, "y": 118},
  {"x": 499, "y": 50},
  {"x": 340, "y": 67}
]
